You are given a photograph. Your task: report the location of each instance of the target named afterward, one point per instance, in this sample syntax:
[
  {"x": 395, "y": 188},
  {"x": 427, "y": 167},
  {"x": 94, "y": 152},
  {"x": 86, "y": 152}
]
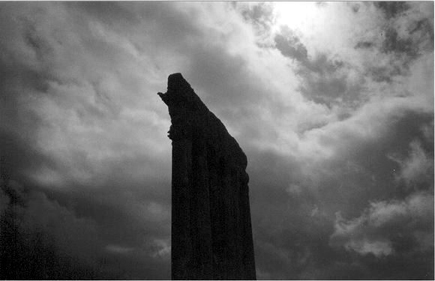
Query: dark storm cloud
[
  {"x": 289, "y": 232},
  {"x": 330, "y": 80},
  {"x": 404, "y": 38},
  {"x": 67, "y": 87},
  {"x": 295, "y": 216},
  {"x": 396, "y": 45},
  {"x": 392, "y": 9},
  {"x": 221, "y": 76},
  {"x": 402, "y": 52},
  {"x": 325, "y": 79},
  {"x": 224, "y": 79},
  {"x": 360, "y": 168},
  {"x": 43, "y": 237},
  {"x": 260, "y": 15},
  {"x": 392, "y": 232},
  {"x": 77, "y": 230},
  {"x": 290, "y": 46},
  {"x": 85, "y": 142},
  {"x": 57, "y": 64},
  {"x": 372, "y": 175},
  {"x": 17, "y": 157},
  {"x": 330, "y": 88},
  {"x": 296, "y": 242},
  {"x": 164, "y": 22},
  {"x": 52, "y": 241},
  {"x": 416, "y": 167},
  {"x": 366, "y": 161},
  {"x": 380, "y": 228}
]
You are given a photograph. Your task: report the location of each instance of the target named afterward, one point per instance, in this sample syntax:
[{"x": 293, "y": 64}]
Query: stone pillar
[
  {"x": 211, "y": 221},
  {"x": 181, "y": 232}
]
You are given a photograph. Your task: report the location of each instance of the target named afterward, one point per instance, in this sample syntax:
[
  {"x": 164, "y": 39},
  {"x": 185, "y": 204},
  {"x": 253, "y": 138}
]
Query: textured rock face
[{"x": 211, "y": 220}]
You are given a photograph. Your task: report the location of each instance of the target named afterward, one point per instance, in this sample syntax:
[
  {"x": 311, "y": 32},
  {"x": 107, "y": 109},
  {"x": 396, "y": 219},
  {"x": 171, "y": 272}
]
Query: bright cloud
[
  {"x": 332, "y": 103},
  {"x": 416, "y": 166},
  {"x": 382, "y": 226}
]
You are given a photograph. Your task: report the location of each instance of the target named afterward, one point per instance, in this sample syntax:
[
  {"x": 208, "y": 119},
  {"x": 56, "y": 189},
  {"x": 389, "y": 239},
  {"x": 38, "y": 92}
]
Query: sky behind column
[{"x": 332, "y": 103}]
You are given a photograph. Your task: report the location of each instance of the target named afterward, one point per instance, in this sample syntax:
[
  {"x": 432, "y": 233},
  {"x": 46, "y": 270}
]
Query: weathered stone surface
[{"x": 211, "y": 220}]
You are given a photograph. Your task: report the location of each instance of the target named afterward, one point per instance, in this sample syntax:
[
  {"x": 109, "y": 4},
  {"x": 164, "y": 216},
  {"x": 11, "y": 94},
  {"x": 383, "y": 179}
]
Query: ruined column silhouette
[{"x": 211, "y": 220}]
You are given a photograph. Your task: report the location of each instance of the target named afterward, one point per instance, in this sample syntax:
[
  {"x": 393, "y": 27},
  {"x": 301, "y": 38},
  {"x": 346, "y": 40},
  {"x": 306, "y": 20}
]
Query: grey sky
[{"x": 332, "y": 103}]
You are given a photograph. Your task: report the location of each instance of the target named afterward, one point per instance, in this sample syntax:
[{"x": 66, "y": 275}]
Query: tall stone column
[{"x": 211, "y": 221}]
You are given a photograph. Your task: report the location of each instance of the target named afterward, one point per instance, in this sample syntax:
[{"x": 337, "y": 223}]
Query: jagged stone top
[
  {"x": 180, "y": 93},
  {"x": 189, "y": 113}
]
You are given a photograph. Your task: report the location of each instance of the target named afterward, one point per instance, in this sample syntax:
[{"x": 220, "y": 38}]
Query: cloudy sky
[{"x": 333, "y": 104}]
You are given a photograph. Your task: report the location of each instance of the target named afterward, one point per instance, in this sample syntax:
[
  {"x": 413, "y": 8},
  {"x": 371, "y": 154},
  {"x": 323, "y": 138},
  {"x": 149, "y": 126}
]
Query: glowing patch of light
[{"x": 296, "y": 15}]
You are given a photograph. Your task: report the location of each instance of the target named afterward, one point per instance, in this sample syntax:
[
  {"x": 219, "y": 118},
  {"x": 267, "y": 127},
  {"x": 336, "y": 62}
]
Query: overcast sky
[{"x": 333, "y": 104}]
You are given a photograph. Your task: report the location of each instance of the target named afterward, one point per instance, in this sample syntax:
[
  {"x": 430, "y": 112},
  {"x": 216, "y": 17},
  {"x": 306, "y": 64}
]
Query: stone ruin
[{"x": 211, "y": 220}]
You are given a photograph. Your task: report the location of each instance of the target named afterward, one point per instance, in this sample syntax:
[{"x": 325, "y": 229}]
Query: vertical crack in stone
[{"x": 211, "y": 220}]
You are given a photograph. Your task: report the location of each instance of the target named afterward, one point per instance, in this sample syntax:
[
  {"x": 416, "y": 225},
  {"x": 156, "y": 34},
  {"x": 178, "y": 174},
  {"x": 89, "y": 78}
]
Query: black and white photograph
[{"x": 206, "y": 140}]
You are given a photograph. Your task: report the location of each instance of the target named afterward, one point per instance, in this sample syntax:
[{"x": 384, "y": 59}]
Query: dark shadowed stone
[{"x": 211, "y": 220}]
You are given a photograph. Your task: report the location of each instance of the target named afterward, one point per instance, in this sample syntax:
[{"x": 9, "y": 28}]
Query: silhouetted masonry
[{"x": 211, "y": 220}]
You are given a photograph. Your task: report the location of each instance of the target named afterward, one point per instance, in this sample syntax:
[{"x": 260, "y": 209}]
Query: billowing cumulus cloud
[
  {"x": 391, "y": 232},
  {"x": 332, "y": 103},
  {"x": 416, "y": 167},
  {"x": 385, "y": 227}
]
